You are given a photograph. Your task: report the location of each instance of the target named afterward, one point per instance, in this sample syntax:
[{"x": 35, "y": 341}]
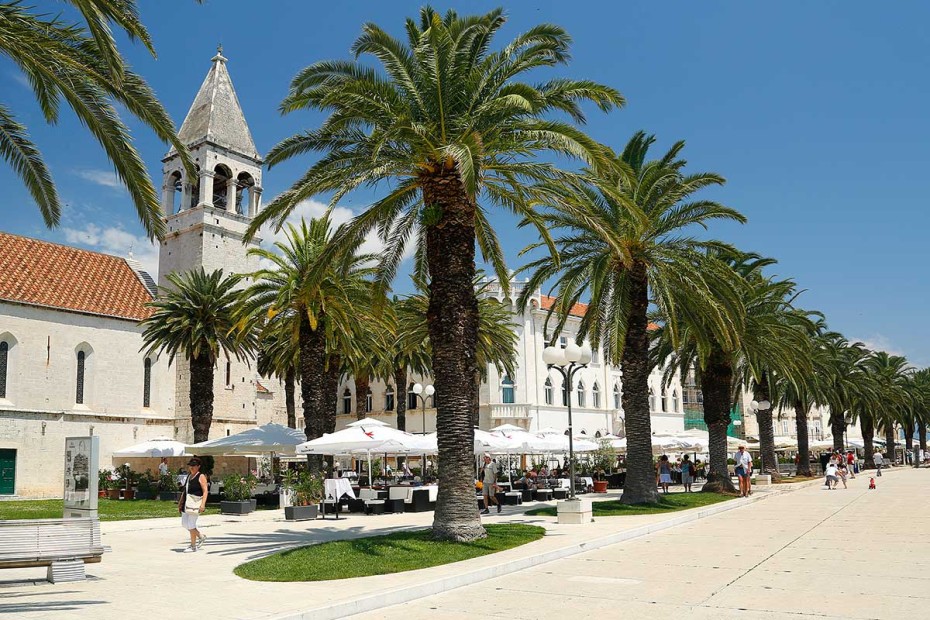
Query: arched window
[
  {"x": 347, "y": 402},
  {"x": 597, "y": 435},
  {"x": 411, "y": 398},
  {"x": 146, "y": 382},
  {"x": 665, "y": 401},
  {"x": 675, "y": 401},
  {"x": 507, "y": 396},
  {"x": 368, "y": 405},
  {"x": 246, "y": 186},
  {"x": 175, "y": 190},
  {"x": 389, "y": 398},
  {"x": 194, "y": 186},
  {"x": 581, "y": 393},
  {"x": 221, "y": 186},
  {"x": 652, "y": 400},
  {"x": 596, "y": 396},
  {"x": 548, "y": 391},
  {"x": 564, "y": 393},
  {"x": 79, "y": 392},
  {"x": 617, "y": 400},
  {"x": 4, "y": 357}
]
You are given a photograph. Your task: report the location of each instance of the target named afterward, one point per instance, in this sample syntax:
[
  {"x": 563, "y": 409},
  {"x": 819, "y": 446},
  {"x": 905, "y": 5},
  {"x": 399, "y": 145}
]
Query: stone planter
[
  {"x": 575, "y": 511},
  {"x": 236, "y": 508},
  {"x": 145, "y": 494},
  {"x": 600, "y": 486},
  {"x": 301, "y": 513},
  {"x": 169, "y": 496},
  {"x": 128, "y": 493},
  {"x": 113, "y": 493}
]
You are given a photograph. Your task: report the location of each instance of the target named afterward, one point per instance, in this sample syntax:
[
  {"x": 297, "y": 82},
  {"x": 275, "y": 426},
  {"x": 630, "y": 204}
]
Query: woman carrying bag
[{"x": 193, "y": 502}]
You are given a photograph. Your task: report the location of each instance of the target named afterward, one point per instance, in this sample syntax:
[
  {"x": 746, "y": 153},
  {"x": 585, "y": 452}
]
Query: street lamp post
[
  {"x": 568, "y": 361},
  {"x": 423, "y": 393}
]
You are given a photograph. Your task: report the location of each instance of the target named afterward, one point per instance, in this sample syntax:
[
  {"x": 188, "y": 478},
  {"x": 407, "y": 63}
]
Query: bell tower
[{"x": 207, "y": 215}]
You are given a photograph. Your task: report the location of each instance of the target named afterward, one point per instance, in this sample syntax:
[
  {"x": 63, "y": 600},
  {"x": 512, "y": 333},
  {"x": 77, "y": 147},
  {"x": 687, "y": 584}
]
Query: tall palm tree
[
  {"x": 921, "y": 380},
  {"x": 279, "y": 356},
  {"x": 194, "y": 317},
  {"x": 450, "y": 124},
  {"x": 79, "y": 62},
  {"x": 318, "y": 306},
  {"x": 624, "y": 244},
  {"x": 892, "y": 402}
]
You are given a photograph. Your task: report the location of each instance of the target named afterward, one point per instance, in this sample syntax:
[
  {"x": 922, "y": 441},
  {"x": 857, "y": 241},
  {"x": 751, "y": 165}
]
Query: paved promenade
[
  {"x": 812, "y": 553},
  {"x": 850, "y": 554}
]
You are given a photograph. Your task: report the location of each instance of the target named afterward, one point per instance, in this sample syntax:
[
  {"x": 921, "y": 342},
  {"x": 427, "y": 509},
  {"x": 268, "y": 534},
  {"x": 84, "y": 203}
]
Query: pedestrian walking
[
  {"x": 743, "y": 471},
  {"x": 163, "y": 467},
  {"x": 851, "y": 464},
  {"x": 687, "y": 473},
  {"x": 489, "y": 485},
  {"x": 879, "y": 463},
  {"x": 664, "y": 473},
  {"x": 842, "y": 472},
  {"x": 192, "y": 503}
]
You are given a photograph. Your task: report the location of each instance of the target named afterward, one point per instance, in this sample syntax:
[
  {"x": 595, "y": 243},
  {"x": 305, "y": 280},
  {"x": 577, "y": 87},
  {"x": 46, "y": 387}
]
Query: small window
[
  {"x": 617, "y": 399},
  {"x": 347, "y": 402},
  {"x": 564, "y": 393},
  {"x": 228, "y": 374},
  {"x": 581, "y": 398},
  {"x": 4, "y": 356},
  {"x": 507, "y": 390},
  {"x": 563, "y": 342},
  {"x": 596, "y": 396},
  {"x": 548, "y": 391},
  {"x": 79, "y": 392},
  {"x": 411, "y": 398},
  {"x": 665, "y": 401},
  {"x": 675, "y": 401},
  {"x": 389, "y": 398},
  {"x": 784, "y": 427},
  {"x": 595, "y": 356},
  {"x": 368, "y": 401},
  {"x": 147, "y": 383}
]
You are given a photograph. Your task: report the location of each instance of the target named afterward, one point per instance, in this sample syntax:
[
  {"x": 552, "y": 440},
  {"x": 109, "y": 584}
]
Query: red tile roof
[
  {"x": 579, "y": 309},
  {"x": 57, "y": 276}
]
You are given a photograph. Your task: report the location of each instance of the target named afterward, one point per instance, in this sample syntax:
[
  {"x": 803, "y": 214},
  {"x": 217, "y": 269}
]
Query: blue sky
[{"x": 816, "y": 113}]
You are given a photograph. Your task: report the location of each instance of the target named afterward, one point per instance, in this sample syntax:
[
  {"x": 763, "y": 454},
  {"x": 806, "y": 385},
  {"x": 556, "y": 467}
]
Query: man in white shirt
[
  {"x": 743, "y": 470},
  {"x": 879, "y": 462},
  {"x": 832, "y": 478},
  {"x": 163, "y": 467}
]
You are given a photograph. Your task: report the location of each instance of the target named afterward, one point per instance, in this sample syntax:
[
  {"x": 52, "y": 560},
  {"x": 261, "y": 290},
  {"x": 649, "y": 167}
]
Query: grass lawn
[
  {"x": 381, "y": 555},
  {"x": 109, "y": 509},
  {"x": 667, "y": 503}
]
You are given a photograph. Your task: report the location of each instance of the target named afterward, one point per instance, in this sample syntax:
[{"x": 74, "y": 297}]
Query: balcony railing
[{"x": 509, "y": 411}]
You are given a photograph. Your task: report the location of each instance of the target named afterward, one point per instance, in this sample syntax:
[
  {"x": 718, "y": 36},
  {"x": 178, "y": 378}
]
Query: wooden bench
[{"x": 64, "y": 545}]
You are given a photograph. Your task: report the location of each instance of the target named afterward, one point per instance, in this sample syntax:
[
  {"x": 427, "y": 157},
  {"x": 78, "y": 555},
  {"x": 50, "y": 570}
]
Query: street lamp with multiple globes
[
  {"x": 423, "y": 393},
  {"x": 568, "y": 361}
]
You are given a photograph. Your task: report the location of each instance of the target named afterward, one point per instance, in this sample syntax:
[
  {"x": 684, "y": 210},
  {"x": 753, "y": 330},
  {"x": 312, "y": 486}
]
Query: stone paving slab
[{"x": 812, "y": 553}]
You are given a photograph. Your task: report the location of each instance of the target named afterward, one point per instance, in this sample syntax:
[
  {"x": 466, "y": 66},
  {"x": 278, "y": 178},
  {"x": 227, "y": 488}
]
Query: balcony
[{"x": 509, "y": 411}]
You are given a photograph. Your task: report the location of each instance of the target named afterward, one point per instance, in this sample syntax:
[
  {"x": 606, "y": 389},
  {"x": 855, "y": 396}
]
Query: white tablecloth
[{"x": 335, "y": 488}]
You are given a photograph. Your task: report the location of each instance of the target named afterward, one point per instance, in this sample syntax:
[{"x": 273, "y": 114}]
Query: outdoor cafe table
[{"x": 335, "y": 488}]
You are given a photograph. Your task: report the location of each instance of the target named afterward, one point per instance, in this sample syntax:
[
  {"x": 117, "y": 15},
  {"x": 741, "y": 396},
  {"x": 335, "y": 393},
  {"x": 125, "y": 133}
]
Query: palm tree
[
  {"x": 891, "y": 401},
  {"x": 279, "y": 356},
  {"x": 449, "y": 124},
  {"x": 80, "y": 63},
  {"x": 921, "y": 380},
  {"x": 194, "y": 317},
  {"x": 623, "y": 244},
  {"x": 318, "y": 306}
]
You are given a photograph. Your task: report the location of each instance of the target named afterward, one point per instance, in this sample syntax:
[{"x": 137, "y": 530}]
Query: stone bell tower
[
  {"x": 206, "y": 218},
  {"x": 207, "y": 215}
]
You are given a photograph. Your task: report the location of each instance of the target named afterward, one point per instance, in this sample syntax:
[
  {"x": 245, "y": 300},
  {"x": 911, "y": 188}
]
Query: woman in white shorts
[
  {"x": 193, "y": 502},
  {"x": 664, "y": 469}
]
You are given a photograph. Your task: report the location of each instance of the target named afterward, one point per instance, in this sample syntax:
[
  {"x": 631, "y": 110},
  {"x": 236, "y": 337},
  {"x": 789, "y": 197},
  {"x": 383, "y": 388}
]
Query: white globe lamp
[
  {"x": 586, "y": 354},
  {"x": 430, "y": 390},
  {"x": 552, "y": 356},
  {"x": 417, "y": 388},
  {"x": 572, "y": 352}
]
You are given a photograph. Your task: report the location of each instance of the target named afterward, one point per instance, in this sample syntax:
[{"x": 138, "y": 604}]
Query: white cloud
[
  {"x": 21, "y": 79},
  {"x": 309, "y": 209},
  {"x": 105, "y": 178},
  {"x": 878, "y": 342},
  {"x": 116, "y": 241}
]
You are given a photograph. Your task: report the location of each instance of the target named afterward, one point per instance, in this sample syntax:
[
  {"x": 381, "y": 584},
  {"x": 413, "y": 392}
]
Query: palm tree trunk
[
  {"x": 312, "y": 385},
  {"x": 640, "y": 484},
  {"x": 766, "y": 427},
  {"x": 452, "y": 320},
  {"x": 922, "y": 435},
  {"x": 201, "y": 397},
  {"x": 838, "y": 428},
  {"x": 867, "y": 426},
  {"x": 361, "y": 396},
  {"x": 909, "y": 440},
  {"x": 400, "y": 396},
  {"x": 717, "y": 386},
  {"x": 889, "y": 441},
  {"x": 289, "y": 402},
  {"x": 804, "y": 451},
  {"x": 333, "y": 372}
]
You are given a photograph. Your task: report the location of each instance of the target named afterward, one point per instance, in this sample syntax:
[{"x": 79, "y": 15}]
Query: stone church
[{"x": 70, "y": 359}]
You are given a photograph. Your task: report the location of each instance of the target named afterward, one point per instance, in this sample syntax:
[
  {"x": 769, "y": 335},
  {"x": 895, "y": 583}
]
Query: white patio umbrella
[
  {"x": 786, "y": 443},
  {"x": 270, "y": 438},
  {"x": 158, "y": 447}
]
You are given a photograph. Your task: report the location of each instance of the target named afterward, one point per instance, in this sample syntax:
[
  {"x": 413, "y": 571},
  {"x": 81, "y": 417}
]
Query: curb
[{"x": 412, "y": 592}]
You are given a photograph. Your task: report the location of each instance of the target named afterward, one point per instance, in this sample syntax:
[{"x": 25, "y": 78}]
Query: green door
[{"x": 7, "y": 472}]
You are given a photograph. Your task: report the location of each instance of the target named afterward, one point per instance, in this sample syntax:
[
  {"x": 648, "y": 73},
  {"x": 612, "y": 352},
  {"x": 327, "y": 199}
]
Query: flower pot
[
  {"x": 301, "y": 513},
  {"x": 600, "y": 486},
  {"x": 169, "y": 496},
  {"x": 243, "y": 507},
  {"x": 129, "y": 493},
  {"x": 113, "y": 493},
  {"x": 102, "y": 493}
]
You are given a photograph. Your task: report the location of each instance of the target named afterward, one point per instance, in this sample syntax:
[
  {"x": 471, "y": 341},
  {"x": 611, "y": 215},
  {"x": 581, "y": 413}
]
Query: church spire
[{"x": 216, "y": 117}]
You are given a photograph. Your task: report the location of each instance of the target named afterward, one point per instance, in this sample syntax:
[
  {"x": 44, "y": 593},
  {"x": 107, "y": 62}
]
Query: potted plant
[
  {"x": 249, "y": 483},
  {"x": 308, "y": 492},
  {"x": 602, "y": 459},
  {"x": 286, "y": 492},
  {"x": 125, "y": 479},
  {"x": 146, "y": 486},
  {"x": 236, "y": 496},
  {"x": 103, "y": 482},
  {"x": 168, "y": 488}
]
